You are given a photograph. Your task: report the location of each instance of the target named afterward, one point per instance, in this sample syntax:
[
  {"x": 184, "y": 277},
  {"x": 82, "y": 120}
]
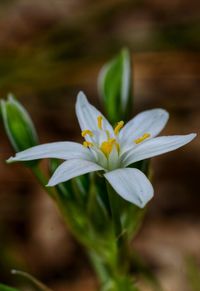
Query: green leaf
[
  {"x": 115, "y": 87},
  {"x": 39, "y": 285},
  {"x": 7, "y": 288}
]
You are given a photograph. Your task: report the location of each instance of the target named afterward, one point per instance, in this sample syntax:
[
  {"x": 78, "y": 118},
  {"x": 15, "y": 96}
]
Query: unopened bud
[
  {"x": 115, "y": 87},
  {"x": 18, "y": 124}
]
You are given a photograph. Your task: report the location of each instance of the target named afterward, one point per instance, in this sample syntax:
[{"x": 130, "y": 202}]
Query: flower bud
[
  {"x": 18, "y": 124},
  {"x": 115, "y": 87}
]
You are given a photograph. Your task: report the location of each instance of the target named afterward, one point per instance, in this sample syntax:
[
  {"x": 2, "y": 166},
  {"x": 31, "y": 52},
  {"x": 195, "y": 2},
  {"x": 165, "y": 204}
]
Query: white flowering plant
[{"x": 102, "y": 185}]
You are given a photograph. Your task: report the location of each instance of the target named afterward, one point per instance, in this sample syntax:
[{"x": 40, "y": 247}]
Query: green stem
[
  {"x": 100, "y": 268},
  {"x": 109, "y": 281},
  {"x": 122, "y": 255},
  {"x": 114, "y": 211}
]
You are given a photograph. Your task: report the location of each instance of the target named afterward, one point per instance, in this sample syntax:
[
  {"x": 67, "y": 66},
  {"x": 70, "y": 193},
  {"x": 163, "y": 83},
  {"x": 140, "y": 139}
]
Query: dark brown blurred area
[{"x": 49, "y": 50}]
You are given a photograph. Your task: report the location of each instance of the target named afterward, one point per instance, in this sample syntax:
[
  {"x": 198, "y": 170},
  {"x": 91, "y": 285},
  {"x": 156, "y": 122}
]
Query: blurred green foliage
[
  {"x": 193, "y": 274},
  {"x": 7, "y": 288}
]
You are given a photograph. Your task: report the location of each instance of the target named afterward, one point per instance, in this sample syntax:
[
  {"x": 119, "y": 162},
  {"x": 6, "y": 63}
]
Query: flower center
[{"x": 107, "y": 145}]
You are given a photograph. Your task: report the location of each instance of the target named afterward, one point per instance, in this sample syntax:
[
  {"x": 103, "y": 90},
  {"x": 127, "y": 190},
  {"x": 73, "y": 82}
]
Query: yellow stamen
[
  {"x": 142, "y": 138},
  {"x": 99, "y": 121},
  {"x": 87, "y": 144},
  {"x": 119, "y": 125},
  {"x": 107, "y": 146},
  {"x": 87, "y": 132}
]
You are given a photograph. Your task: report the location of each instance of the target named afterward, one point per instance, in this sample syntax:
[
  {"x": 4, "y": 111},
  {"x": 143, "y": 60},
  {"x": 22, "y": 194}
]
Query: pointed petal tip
[
  {"x": 81, "y": 98},
  {"x": 193, "y": 135},
  {"x": 142, "y": 204},
  {"x": 189, "y": 137},
  {"x": 50, "y": 184},
  {"x": 81, "y": 92},
  {"x": 10, "y": 160},
  {"x": 145, "y": 202}
]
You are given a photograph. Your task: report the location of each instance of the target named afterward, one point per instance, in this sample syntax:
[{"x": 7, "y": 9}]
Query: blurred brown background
[{"x": 51, "y": 49}]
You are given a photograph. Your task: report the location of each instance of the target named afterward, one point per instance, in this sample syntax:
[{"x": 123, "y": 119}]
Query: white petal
[
  {"x": 156, "y": 146},
  {"x": 150, "y": 121},
  {"x": 87, "y": 115},
  {"x": 99, "y": 157},
  {"x": 113, "y": 159},
  {"x": 72, "y": 168},
  {"x": 59, "y": 150},
  {"x": 99, "y": 137},
  {"x": 132, "y": 185}
]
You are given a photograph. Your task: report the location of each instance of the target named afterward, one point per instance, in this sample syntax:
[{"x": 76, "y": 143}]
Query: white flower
[{"x": 110, "y": 150}]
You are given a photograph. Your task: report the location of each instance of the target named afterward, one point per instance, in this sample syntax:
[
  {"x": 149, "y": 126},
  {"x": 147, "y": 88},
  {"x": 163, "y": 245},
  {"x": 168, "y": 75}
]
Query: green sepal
[
  {"x": 115, "y": 87},
  {"x": 18, "y": 126}
]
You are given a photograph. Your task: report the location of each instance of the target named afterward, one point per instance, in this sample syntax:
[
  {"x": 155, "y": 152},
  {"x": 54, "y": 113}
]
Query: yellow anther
[
  {"x": 87, "y": 132},
  {"x": 87, "y": 144},
  {"x": 107, "y": 146},
  {"x": 142, "y": 138},
  {"x": 119, "y": 125},
  {"x": 100, "y": 121}
]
